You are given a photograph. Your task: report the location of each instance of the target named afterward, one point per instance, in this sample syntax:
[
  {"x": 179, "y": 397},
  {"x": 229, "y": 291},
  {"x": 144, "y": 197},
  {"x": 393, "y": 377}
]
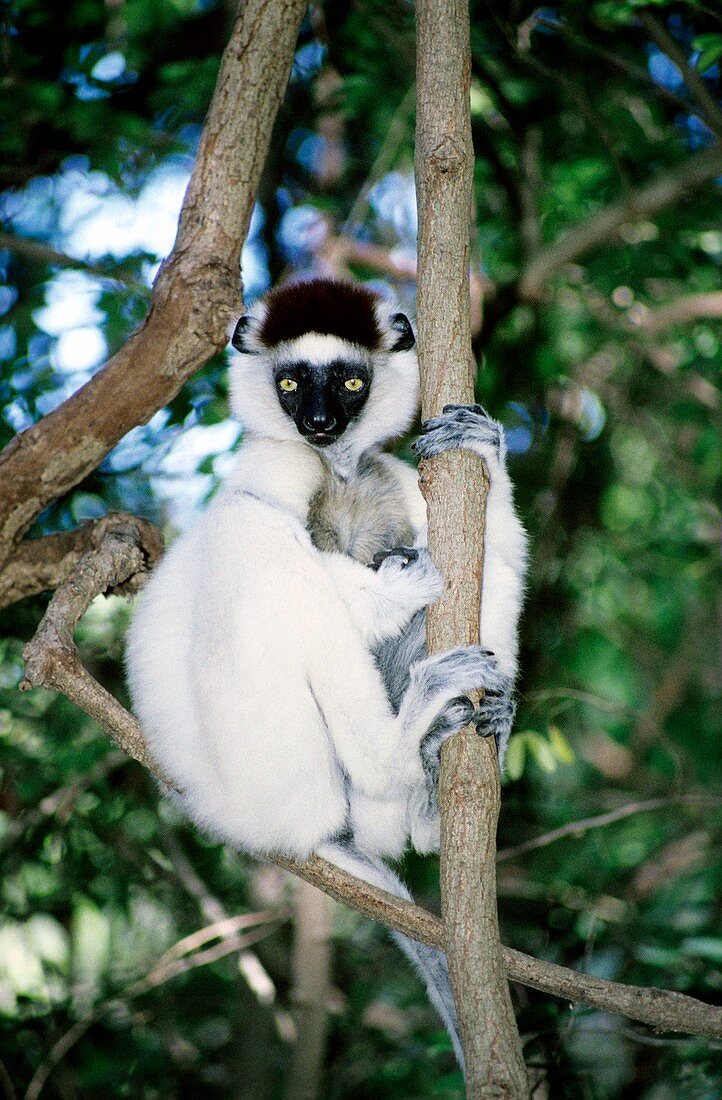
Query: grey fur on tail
[{"x": 429, "y": 962}]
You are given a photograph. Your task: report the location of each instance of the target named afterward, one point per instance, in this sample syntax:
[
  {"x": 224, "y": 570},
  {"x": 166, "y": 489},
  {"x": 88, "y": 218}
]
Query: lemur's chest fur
[{"x": 360, "y": 515}]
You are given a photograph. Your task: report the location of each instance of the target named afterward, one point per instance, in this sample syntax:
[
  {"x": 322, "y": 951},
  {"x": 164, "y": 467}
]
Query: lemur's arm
[
  {"x": 505, "y": 544},
  {"x": 505, "y": 550}
]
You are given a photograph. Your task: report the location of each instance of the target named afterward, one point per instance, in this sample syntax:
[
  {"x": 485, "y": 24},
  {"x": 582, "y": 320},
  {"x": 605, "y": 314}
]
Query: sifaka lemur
[{"x": 276, "y": 657}]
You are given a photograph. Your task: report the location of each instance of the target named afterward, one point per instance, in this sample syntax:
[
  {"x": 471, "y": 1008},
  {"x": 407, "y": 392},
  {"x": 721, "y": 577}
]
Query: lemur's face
[
  {"x": 322, "y": 361},
  {"x": 322, "y": 399}
]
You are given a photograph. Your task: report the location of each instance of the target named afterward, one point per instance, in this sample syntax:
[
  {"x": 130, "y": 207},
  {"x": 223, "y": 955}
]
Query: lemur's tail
[{"x": 430, "y": 962}]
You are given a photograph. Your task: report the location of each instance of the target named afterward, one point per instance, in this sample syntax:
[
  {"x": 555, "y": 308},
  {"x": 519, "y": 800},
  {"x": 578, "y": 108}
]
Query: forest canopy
[{"x": 597, "y": 321}]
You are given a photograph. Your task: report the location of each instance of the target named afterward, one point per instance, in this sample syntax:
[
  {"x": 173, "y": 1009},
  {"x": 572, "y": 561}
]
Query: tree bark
[
  {"x": 313, "y": 919},
  {"x": 455, "y": 485},
  {"x": 197, "y": 288}
]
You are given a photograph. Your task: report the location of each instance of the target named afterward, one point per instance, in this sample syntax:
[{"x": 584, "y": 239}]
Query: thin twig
[
  {"x": 663, "y": 191},
  {"x": 384, "y": 158},
  {"x": 608, "y": 705},
  {"x": 61, "y": 802},
  {"x": 598, "y": 821},
  {"x": 164, "y": 971},
  {"x": 43, "y": 253},
  {"x": 250, "y": 967}
]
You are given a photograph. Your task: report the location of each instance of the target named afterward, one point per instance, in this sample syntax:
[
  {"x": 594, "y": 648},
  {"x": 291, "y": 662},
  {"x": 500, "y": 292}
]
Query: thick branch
[
  {"x": 663, "y": 191},
  {"x": 108, "y": 566},
  {"x": 455, "y": 487},
  {"x": 680, "y": 311},
  {"x": 197, "y": 288},
  {"x": 40, "y": 565}
]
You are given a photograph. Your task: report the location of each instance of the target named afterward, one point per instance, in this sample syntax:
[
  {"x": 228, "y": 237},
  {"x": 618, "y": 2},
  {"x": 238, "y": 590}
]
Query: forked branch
[
  {"x": 195, "y": 293},
  {"x": 120, "y": 560}
]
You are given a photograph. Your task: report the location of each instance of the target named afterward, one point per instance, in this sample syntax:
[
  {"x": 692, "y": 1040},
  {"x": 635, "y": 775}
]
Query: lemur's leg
[
  {"x": 435, "y": 704},
  {"x": 492, "y": 717},
  {"x": 469, "y": 427}
]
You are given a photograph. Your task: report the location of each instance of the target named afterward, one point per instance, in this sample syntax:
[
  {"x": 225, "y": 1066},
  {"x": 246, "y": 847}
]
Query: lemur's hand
[
  {"x": 409, "y": 576},
  {"x": 461, "y": 426},
  {"x": 405, "y": 555}
]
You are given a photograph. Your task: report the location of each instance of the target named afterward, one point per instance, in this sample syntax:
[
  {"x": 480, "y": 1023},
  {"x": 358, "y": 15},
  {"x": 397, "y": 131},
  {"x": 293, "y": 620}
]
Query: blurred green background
[{"x": 608, "y": 383}]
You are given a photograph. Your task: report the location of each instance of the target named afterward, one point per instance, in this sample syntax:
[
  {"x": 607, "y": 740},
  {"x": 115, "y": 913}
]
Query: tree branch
[
  {"x": 455, "y": 485},
  {"x": 663, "y": 191},
  {"x": 44, "y": 254},
  {"x": 680, "y": 311},
  {"x": 660, "y": 1008},
  {"x": 598, "y": 821},
  {"x": 178, "y": 960},
  {"x": 40, "y": 565},
  {"x": 197, "y": 288},
  {"x": 708, "y": 106},
  {"x": 311, "y": 966},
  {"x": 51, "y": 656}
]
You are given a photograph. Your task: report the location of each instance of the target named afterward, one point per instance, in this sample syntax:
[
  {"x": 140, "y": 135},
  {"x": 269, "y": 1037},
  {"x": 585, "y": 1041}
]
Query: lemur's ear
[
  {"x": 239, "y": 337},
  {"x": 401, "y": 325}
]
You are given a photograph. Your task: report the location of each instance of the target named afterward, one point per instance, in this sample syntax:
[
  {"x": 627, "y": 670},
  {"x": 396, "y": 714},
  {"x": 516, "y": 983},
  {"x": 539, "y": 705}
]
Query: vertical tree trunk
[{"x": 455, "y": 486}]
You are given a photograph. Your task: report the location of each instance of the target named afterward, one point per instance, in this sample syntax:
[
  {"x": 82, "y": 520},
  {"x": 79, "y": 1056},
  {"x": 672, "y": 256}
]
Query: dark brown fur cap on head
[{"x": 327, "y": 306}]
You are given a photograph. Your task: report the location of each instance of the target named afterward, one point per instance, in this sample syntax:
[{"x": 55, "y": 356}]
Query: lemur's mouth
[{"x": 322, "y": 439}]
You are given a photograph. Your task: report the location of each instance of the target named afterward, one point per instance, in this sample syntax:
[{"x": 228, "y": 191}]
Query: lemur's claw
[
  {"x": 407, "y": 554},
  {"x": 478, "y": 409}
]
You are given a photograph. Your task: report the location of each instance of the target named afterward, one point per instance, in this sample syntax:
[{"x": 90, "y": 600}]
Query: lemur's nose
[{"x": 319, "y": 422}]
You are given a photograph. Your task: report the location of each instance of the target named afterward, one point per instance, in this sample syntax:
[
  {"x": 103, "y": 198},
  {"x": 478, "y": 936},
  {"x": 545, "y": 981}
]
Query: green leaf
[
  {"x": 541, "y": 752},
  {"x": 514, "y": 763},
  {"x": 710, "y": 50},
  {"x": 560, "y": 746}
]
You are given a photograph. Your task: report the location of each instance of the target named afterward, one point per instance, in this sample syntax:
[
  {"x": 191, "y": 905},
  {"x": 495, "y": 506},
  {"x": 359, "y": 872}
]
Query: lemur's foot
[
  {"x": 409, "y": 576},
  {"x": 494, "y": 717},
  {"x": 461, "y": 426},
  {"x": 441, "y": 678},
  {"x": 454, "y": 716}
]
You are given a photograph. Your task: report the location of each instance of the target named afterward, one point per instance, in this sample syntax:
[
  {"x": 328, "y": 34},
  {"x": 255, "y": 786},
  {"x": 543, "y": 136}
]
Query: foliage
[{"x": 613, "y": 418}]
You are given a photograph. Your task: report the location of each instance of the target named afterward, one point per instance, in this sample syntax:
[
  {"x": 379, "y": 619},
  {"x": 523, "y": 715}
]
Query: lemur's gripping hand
[
  {"x": 409, "y": 576},
  {"x": 462, "y": 426},
  {"x": 492, "y": 717},
  {"x": 405, "y": 555}
]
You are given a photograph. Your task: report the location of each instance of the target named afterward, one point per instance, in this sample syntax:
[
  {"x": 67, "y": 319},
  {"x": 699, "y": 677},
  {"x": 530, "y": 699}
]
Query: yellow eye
[
  {"x": 354, "y": 384},
  {"x": 288, "y": 385}
]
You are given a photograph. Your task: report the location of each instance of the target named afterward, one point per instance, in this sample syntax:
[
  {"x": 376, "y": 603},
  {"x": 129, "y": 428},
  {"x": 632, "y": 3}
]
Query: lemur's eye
[
  {"x": 354, "y": 384},
  {"x": 288, "y": 385}
]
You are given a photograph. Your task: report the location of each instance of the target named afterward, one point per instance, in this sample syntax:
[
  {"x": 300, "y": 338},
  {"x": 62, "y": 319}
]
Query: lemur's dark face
[{"x": 322, "y": 400}]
